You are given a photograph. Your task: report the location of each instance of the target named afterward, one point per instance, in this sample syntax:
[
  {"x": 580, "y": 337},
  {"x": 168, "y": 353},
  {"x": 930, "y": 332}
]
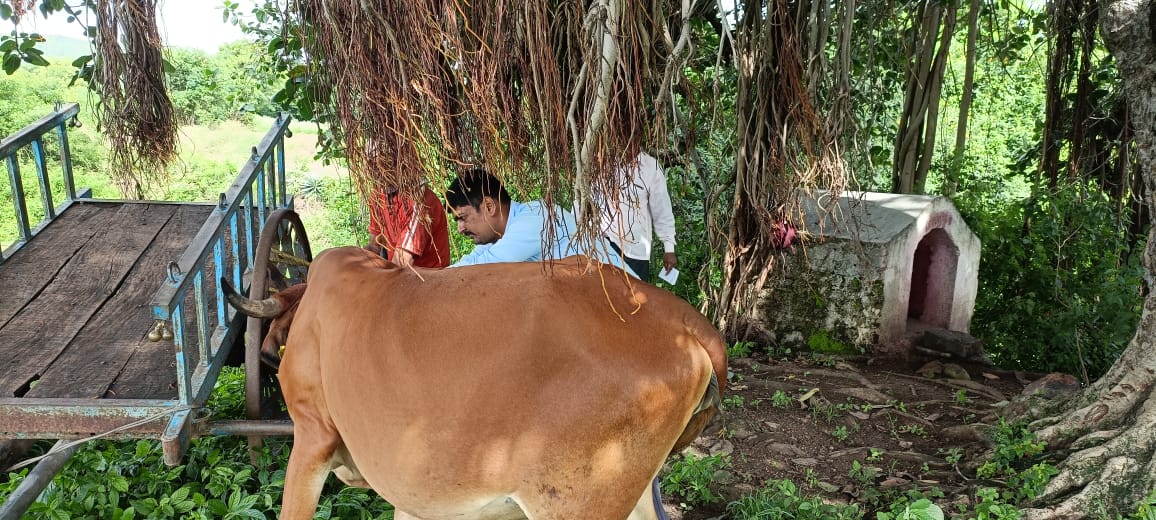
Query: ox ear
[{"x": 267, "y": 308}]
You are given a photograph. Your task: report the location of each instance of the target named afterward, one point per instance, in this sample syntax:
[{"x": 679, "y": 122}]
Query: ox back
[{"x": 492, "y": 391}]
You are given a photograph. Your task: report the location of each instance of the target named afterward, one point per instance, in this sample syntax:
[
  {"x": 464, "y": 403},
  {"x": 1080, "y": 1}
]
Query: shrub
[
  {"x": 781, "y": 499},
  {"x": 1064, "y": 296},
  {"x": 690, "y": 478},
  {"x": 128, "y": 479}
]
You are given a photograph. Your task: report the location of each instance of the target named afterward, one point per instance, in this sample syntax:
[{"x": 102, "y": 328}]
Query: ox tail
[
  {"x": 711, "y": 398},
  {"x": 267, "y": 308}
]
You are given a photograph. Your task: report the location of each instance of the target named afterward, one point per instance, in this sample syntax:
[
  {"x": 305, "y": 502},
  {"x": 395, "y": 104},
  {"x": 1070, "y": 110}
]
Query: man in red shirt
[{"x": 406, "y": 235}]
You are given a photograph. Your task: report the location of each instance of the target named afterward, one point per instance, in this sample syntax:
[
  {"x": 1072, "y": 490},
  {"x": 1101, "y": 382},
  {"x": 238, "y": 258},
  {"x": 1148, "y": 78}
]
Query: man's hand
[
  {"x": 669, "y": 261},
  {"x": 402, "y": 258}
]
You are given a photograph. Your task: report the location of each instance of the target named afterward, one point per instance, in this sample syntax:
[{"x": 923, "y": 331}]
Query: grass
[{"x": 232, "y": 142}]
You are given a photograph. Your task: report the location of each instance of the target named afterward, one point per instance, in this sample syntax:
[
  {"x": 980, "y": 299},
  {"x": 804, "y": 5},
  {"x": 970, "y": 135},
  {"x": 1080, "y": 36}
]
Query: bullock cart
[{"x": 112, "y": 322}]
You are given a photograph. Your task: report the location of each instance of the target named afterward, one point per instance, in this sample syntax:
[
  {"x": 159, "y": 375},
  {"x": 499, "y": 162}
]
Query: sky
[{"x": 182, "y": 23}]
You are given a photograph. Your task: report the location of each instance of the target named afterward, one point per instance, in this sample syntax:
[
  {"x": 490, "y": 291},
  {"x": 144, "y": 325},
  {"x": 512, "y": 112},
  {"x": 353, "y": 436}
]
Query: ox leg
[
  {"x": 309, "y": 464},
  {"x": 649, "y": 507}
]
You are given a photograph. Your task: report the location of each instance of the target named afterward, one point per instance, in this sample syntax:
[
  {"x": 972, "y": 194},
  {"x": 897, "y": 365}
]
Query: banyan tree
[{"x": 552, "y": 95}]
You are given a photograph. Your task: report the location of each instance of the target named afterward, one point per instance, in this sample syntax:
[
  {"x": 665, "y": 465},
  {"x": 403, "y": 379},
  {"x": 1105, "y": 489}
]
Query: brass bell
[{"x": 156, "y": 333}]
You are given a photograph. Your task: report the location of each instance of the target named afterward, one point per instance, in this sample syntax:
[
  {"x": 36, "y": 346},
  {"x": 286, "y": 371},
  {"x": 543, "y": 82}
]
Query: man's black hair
[{"x": 472, "y": 186}]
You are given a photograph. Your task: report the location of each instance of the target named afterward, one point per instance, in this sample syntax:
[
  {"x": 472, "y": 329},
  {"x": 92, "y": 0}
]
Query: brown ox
[{"x": 493, "y": 391}]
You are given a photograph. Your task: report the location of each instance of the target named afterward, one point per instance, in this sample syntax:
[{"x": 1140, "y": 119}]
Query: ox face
[
  {"x": 280, "y": 309},
  {"x": 484, "y": 224}
]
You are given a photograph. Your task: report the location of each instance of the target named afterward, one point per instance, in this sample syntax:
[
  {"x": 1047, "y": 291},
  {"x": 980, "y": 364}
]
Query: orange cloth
[{"x": 394, "y": 223}]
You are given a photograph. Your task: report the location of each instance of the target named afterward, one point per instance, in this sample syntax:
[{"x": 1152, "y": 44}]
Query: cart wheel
[{"x": 282, "y": 259}]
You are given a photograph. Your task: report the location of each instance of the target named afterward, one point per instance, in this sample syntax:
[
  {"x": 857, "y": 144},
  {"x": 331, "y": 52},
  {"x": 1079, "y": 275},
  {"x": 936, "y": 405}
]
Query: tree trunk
[
  {"x": 1059, "y": 63},
  {"x": 782, "y": 148},
  {"x": 951, "y": 183},
  {"x": 1112, "y": 431},
  {"x": 933, "y": 93},
  {"x": 915, "y": 137}
]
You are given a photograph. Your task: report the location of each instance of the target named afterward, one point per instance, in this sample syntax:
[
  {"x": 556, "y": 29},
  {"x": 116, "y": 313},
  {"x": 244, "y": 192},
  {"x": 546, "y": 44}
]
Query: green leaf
[
  {"x": 5, "y": 11},
  {"x": 180, "y": 494},
  {"x": 11, "y": 63},
  {"x": 36, "y": 59},
  {"x": 81, "y": 61},
  {"x": 8, "y": 46},
  {"x": 119, "y": 483}
]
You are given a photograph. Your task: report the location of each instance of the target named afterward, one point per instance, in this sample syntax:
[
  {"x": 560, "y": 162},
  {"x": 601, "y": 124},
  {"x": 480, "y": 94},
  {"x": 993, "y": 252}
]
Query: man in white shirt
[{"x": 643, "y": 211}]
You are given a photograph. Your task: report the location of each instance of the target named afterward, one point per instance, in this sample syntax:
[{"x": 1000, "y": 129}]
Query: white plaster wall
[
  {"x": 940, "y": 214},
  {"x": 967, "y": 271},
  {"x": 897, "y": 289},
  {"x": 862, "y": 272}
]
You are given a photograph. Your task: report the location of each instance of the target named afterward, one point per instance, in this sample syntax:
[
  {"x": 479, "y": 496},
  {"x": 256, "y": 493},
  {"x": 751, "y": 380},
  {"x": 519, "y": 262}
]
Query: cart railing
[
  {"x": 189, "y": 308},
  {"x": 32, "y": 138}
]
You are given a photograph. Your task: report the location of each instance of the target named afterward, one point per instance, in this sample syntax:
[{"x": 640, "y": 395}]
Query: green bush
[
  {"x": 781, "y": 499},
  {"x": 690, "y": 479},
  {"x": 921, "y": 509},
  {"x": 126, "y": 480},
  {"x": 1064, "y": 297}
]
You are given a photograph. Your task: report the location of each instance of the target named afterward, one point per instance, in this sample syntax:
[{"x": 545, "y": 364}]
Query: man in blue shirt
[{"x": 509, "y": 231}]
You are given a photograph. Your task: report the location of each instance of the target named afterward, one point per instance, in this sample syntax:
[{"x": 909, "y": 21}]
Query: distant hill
[{"x": 63, "y": 48}]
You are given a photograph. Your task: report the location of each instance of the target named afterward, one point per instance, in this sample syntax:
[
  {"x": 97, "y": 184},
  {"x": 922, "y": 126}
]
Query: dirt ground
[{"x": 905, "y": 430}]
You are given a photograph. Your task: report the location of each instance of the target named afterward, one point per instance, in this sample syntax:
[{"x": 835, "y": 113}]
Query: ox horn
[{"x": 267, "y": 308}]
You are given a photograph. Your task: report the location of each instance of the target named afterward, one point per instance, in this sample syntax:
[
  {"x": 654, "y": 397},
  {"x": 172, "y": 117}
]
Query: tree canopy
[{"x": 748, "y": 108}]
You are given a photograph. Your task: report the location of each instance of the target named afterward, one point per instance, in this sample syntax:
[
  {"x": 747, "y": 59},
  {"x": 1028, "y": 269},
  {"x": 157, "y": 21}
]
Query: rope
[
  {"x": 59, "y": 447},
  {"x": 281, "y": 257}
]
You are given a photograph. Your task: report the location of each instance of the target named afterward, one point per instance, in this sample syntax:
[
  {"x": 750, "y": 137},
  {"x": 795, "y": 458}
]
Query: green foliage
[
  {"x": 229, "y": 85},
  {"x": 733, "y": 401},
  {"x": 1015, "y": 448},
  {"x": 281, "y": 42},
  {"x": 952, "y": 455},
  {"x": 1146, "y": 510},
  {"x": 781, "y": 499},
  {"x": 921, "y": 509},
  {"x": 19, "y": 47},
  {"x": 1013, "y": 442},
  {"x": 739, "y": 349},
  {"x": 780, "y": 399},
  {"x": 123, "y": 480},
  {"x": 990, "y": 506},
  {"x": 690, "y": 478},
  {"x": 1064, "y": 296},
  {"x": 342, "y": 221}
]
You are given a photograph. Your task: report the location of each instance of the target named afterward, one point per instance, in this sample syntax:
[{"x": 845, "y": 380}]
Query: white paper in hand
[{"x": 670, "y": 276}]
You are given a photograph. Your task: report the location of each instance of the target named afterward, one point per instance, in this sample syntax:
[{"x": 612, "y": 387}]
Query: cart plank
[
  {"x": 100, "y": 353},
  {"x": 41, "y": 330}
]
